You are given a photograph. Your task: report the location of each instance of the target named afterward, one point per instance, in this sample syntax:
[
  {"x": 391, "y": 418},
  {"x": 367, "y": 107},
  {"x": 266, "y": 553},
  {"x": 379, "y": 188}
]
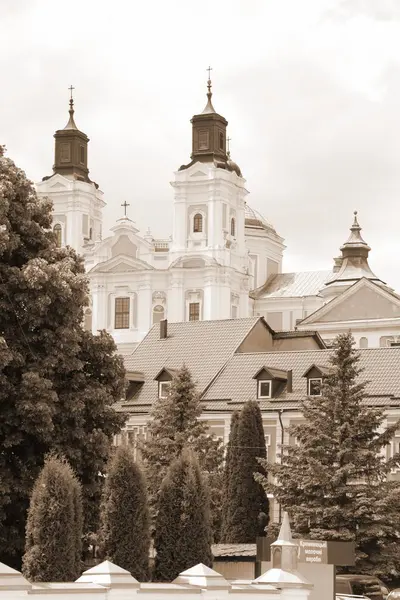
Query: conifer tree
[
  {"x": 54, "y": 525},
  {"x": 183, "y": 532},
  {"x": 174, "y": 424},
  {"x": 334, "y": 481},
  {"x": 125, "y": 529},
  {"x": 246, "y": 498},
  {"x": 57, "y": 382},
  {"x": 230, "y": 458}
]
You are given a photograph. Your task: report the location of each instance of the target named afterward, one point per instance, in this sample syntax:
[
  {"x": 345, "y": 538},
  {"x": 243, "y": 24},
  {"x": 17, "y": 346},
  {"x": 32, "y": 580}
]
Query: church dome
[{"x": 255, "y": 219}]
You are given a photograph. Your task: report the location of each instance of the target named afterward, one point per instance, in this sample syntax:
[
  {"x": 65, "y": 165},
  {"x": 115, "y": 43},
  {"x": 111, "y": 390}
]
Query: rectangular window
[
  {"x": 163, "y": 389},
  {"x": 194, "y": 311},
  {"x": 82, "y": 154},
  {"x": 65, "y": 153},
  {"x": 264, "y": 388},
  {"x": 234, "y": 311},
  {"x": 314, "y": 386},
  {"x": 122, "y": 313},
  {"x": 204, "y": 139}
]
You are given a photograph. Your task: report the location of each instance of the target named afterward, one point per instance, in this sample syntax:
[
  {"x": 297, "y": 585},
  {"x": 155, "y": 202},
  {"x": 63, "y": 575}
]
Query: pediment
[
  {"x": 58, "y": 186},
  {"x": 122, "y": 264},
  {"x": 365, "y": 300},
  {"x": 199, "y": 174}
]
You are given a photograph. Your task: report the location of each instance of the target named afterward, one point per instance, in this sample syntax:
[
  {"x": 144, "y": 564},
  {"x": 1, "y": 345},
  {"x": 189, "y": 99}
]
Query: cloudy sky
[{"x": 311, "y": 90}]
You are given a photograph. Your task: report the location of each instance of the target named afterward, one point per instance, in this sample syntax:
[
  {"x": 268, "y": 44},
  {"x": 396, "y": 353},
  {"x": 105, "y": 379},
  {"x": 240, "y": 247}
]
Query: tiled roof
[
  {"x": 291, "y": 285},
  {"x": 220, "y": 550},
  {"x": 203, "y": 346},
  {"x": 236, "y": 384}
]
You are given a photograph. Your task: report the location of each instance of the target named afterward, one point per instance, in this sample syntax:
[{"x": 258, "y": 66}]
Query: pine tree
[
  {"x": 230, "y": 458},
  {"x": 54, "y": 525},
  {"x": 247, "y": 498},
  {"x": 334, "y": 481},
  {"x": 174, "y": 424},
  {"x": 57, "y": 382},
  {"x": 183, "y": 532},
  {"x": 125, "y": 530}
]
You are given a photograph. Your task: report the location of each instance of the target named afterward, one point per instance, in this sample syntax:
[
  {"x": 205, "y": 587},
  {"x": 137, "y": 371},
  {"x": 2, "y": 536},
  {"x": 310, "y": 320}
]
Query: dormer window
[
  {"x": 163, "y": 389},
  {"x": 270, "y": 382},
  {"x": 264, "y": 388},
  {"x": 315, "y": 386},
  {"x": 315, "y": 377}
]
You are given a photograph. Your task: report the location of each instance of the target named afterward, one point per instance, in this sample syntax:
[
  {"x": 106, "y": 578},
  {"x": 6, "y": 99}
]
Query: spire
[
  {"x": 209, "y": 107},
  {"x": 353, "y": 264},
  {"x": 71, "y": 123},
  {"x": 285, "y": 533}
]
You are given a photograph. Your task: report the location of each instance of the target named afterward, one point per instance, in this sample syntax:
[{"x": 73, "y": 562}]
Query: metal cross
[
  {"x": 125, "y": 205},
  {"x": 228, "y": 139},
  {"x": 209, "y": 72},
  {"x": 71, "y": 88}
]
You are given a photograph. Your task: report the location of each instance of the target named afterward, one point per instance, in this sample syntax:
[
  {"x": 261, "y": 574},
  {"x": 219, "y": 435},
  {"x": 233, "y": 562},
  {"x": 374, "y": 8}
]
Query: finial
[
  {"x": 228, "y": 147},
  {"x": 355, "y": 222},
  {"x": 71, "y": 123},
  {"x": 285, "y": 534},
  {"x": 209, "y": 108}
]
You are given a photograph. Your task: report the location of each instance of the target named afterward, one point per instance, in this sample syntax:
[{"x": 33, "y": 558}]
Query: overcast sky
[{"x": 310, "y": 88}]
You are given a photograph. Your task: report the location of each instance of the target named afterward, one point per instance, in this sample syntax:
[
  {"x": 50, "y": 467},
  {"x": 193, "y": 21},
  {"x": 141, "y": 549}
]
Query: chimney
[
  {"x": 163, "y": 329},
  {"x": 289, "y": 385}
]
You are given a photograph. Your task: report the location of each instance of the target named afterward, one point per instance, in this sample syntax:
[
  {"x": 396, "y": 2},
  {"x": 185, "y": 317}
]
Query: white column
[
  {"x": 144, "y": 307},
  {"x": 175, "y": 300}
]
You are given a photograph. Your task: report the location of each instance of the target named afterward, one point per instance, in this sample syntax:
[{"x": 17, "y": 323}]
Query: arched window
[
  {"x": 58, "y": 233},
  {"x": 198, "y": 223},
  {"x": 233, "y": 227},
  {"x": 363, "y": 342},
  {"x": 158, "y": 313},
  {"x": 90, "y": 233},
  {"x": 221, "y": 140}
]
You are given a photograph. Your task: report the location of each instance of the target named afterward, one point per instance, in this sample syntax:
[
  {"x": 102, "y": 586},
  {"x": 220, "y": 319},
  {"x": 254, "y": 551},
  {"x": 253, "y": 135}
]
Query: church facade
[{"x": 222, "y": 261}]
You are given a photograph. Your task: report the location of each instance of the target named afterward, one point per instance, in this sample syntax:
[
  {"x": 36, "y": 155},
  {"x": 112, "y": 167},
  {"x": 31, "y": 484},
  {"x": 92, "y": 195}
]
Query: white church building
[{"x": 222, "y": 261}]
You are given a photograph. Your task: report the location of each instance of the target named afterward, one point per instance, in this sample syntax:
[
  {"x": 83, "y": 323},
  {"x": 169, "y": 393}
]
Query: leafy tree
[
  {"x": 54, "y": 525},
  {"x": 174, "y": 424},
  {"x": 246, "y": 498},
  {"x": 183, "y": 532},
  {"x": 334, "y": 481},
  {"x": 57, "y": 382},
  {"x": 125, "y": 519}
]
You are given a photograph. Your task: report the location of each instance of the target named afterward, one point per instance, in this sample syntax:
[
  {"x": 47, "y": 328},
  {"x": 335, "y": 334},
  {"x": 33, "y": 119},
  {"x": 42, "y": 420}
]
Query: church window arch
[
  {"x": 158, "y": 313},
  {"x": 221, "y": 140},
  {"x": 57, "y": 230},
  {"x": 233, "y": 227},
  {"x": 197, "y": 223},
  {"x": 363, "y": 342}
]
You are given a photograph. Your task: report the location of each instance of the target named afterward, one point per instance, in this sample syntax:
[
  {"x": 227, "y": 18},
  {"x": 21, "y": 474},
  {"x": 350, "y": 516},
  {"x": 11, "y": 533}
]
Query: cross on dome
[{"x": 125, "y": 206}]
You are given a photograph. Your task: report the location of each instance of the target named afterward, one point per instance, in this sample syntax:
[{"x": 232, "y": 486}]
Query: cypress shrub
[
  {"x": 125, "y": 522},
  {"x": 246, "y": 501},
  {"x": 183, "y": 531},
  {"x": 231, "y": 450},
  {"x": 54, "y": 525}
]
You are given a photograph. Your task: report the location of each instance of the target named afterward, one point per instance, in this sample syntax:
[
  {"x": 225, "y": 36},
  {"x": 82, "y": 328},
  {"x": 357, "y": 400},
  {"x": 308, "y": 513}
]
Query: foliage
[
  {"x": 125, "y": 521},
  {"x": 174, "y": 424},
  {"x": 246, "y": 499},
  {"x": 334, "y": 481},
  {"x": 183, "y": 532},
  {"x": 230, "y": 457},
  {"x": 54, "y": 525},
  {"x": 57, "y": 382}
]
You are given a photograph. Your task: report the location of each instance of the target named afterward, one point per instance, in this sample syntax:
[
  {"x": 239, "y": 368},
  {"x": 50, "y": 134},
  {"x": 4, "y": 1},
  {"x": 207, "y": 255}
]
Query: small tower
[
  {"x": 283, "y": 573},
  {"x": 70, "y": 157},
  {"x": 209, "y": 132},
  {"x": 352, "y": 265}
]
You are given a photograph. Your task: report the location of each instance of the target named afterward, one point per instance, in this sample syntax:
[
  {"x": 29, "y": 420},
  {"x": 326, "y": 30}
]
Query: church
[{"x": 223, "y": 259}]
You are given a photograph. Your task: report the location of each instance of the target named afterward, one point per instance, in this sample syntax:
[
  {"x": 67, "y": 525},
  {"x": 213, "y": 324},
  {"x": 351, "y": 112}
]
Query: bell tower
[
  {"x": 71, "y": 145},
  {"x": 77, "y": 201},
  {"x": 209, "y": 132}
]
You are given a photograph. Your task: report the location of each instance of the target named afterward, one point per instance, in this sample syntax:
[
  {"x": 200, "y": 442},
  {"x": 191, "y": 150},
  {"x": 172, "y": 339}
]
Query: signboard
[{"x": 311, "y": 551}]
